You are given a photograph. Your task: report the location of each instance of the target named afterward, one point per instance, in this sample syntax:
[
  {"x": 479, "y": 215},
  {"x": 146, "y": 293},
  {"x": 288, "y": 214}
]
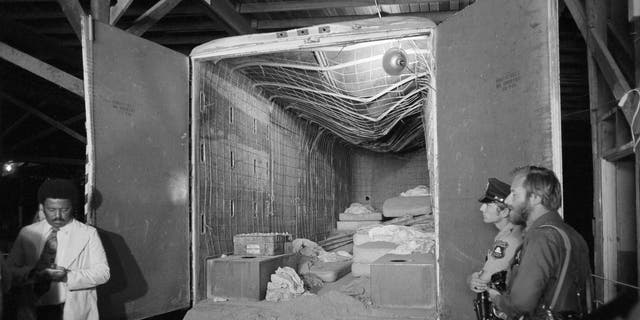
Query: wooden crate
[{"x": 260, "y": 244}]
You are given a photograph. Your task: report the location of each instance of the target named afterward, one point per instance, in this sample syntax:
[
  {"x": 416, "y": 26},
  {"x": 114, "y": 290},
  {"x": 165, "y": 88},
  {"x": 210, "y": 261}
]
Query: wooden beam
[
  {"x": 14, "y": 125},
  {"x": 47, "y": 131},
  {"x": 74, "y": 12},
  {"x": 619, "y": 35},
  {"x": 436, "y": 17},
  {"x": 41, "y": 69},
  {"x": 43, "y": 116},
  {"x": 44, "y": 47},
  {"x": 118, "y": 10},
  {"x": 100, "y": 10},
  {"x": 605, "y": 61},
  {"x": 48, "y": 160},
  {"x": 301, "y": 5},
  {"x": 153, "y": 15},
  {"x": 223, "y": 10}
]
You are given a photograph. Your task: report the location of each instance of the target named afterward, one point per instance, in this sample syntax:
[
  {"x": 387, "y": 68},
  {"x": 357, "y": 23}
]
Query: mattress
[{"x": 401, "y": 206}]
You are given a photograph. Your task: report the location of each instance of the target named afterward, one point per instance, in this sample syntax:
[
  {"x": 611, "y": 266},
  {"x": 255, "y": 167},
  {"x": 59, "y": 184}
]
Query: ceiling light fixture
[{"x": 394, "y": 61}]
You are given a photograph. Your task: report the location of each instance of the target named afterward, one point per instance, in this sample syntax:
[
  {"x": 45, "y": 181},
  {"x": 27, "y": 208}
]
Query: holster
[{"x": 483, "y": 307}]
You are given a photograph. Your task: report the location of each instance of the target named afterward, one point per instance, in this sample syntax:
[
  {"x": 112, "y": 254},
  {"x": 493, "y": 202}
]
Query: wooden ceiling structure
[{"x": 42, "y": 111}]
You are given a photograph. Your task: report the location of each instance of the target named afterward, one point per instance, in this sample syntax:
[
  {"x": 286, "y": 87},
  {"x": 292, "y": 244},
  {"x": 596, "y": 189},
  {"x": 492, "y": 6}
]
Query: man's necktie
[{"x": 47, "y": 260}]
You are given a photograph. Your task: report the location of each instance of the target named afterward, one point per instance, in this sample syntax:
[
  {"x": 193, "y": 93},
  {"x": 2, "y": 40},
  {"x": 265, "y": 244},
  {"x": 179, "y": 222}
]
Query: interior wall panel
[
  {"x": 260, "y": 168},
  {"x": 380, "y": 176}
]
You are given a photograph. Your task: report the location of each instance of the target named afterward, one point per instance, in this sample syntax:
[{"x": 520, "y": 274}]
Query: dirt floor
[{"x": 348, "y": 299}]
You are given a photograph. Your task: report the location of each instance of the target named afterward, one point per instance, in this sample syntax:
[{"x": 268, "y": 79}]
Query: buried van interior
[{"x": 280, "y": 132}]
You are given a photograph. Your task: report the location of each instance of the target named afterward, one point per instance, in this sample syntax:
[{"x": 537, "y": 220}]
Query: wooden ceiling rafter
[
  {"x": 152, "y": 16},
  {"x": 47, "y": 160},
  {"x": 59, "y": 125},
  {"x": 14, "y": 125},
  {"x": 223, "y": 10},
  {"x": 118, "y": 10},
  {"x": 302, "y": 5},
  {"x": 74, "y": 12},
  {"x": 42, "y": 69},
  {"x": 46, "y": 132},
  {"x": 436, "y": 17},
  {"x": 101, "y": 10},
  {"x": 46, "y": 47}
]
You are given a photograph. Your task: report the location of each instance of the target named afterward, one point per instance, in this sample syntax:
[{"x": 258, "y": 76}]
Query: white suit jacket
[{"x": 85, "y": 258}]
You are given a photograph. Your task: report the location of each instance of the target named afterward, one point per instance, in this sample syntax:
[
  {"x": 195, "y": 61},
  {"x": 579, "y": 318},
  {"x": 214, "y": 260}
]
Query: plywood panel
[
  {"x": 497, "y": 107},
  {"x": 140, "y": 122}
]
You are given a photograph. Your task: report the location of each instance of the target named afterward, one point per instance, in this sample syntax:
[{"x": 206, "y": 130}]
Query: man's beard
[{"x": 520, "y": 213}]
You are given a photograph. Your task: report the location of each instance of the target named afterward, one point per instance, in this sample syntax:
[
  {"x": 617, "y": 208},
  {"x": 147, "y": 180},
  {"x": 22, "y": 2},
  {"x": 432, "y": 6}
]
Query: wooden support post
[
  {"x": 153, "y": 15},
  {"x": 44, "y": 70},
  {"x": 223, "y": 10},
  {"x": 636, "y": 36},
  {"x": 74, "y": 12},
  {"x": 603, "y": 171},
  {"x": 43, "y": 116},
  {"x": 118, "y": 10}
]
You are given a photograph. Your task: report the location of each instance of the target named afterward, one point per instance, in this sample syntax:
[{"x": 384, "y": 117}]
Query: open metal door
[
  {"x": 137, "y": 96},
  {"x": 497, "y": 106}
]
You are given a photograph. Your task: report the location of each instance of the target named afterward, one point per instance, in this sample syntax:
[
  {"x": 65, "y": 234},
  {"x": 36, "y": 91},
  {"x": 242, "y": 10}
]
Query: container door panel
[
  {"x": 138, "y": 107},
  {"x": 497, "y": 107}
]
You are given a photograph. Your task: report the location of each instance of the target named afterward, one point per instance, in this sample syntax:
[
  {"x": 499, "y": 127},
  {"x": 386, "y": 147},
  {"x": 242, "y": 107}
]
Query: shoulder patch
[{"x": 499, "y": 248}]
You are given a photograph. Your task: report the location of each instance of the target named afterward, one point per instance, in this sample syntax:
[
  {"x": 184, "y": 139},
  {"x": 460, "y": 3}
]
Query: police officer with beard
[{"x": 534, "y": 200}]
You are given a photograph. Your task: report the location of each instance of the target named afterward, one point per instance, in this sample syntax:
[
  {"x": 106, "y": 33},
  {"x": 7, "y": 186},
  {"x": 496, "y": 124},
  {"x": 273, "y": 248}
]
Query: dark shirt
[{"x": 540, "y": 263}]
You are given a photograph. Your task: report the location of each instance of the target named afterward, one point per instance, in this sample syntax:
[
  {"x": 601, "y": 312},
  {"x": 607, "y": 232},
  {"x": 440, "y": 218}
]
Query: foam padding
[
  {"x": 330, "y": 271},
  {"x": 371, "y": 251},
  {"x": 360, "y": 237},
  {"x": 354, "y": 225},
  {"x": 376, "y": 216},
  {"x": 401, "y": 206},
  {"x": 360, "y": 269}
]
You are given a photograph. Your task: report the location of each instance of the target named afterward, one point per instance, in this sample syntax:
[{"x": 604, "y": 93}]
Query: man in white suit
[{"x": 57, "y": 263}]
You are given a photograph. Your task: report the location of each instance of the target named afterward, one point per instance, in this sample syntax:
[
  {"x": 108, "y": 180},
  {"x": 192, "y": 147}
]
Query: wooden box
[
  {"x": 244, "y": 277},
  {"x": 261, "y": 244}
]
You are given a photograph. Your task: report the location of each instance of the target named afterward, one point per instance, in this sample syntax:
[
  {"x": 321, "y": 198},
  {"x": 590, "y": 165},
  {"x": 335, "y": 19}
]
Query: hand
[
  {"x": 476, "y": 284},
  {"x": 492, "y": 294},
  {"x": 58, "y": 274}
]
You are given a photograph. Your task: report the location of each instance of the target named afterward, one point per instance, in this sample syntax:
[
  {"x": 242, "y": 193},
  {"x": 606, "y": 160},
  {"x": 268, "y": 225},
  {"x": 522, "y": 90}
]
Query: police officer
[
  {"x": 505, "y": 245},
  {"x": 534, "y": 200}
]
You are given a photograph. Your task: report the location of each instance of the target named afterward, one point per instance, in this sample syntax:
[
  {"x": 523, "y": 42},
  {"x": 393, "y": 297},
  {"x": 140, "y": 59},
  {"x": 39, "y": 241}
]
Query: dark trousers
[{"x": 52, "y": 312}]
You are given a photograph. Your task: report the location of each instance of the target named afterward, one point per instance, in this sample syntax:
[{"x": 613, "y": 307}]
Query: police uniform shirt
[
  {"x": 504, "y": 248},
  {"x": 534, "y": 281}
]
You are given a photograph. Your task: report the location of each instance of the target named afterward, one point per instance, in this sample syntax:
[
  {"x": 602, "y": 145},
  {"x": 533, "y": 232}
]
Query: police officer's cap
[{"x": 497, "y": 191}]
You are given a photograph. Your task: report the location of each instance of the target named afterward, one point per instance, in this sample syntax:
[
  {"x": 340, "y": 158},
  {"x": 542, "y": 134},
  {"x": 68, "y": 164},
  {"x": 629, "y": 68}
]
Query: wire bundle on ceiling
[{"x": 347, "y": 91}]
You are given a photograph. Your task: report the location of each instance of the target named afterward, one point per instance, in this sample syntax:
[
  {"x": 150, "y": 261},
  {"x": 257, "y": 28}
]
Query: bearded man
[{"x": 539, "y": 285}]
